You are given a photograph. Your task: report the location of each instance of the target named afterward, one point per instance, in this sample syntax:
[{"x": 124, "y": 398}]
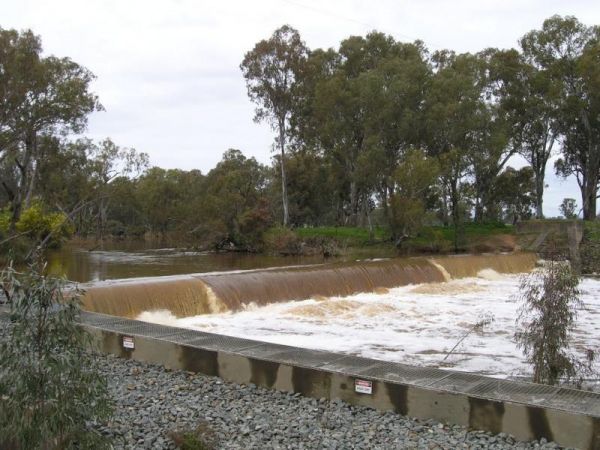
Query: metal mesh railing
[{"x": 469, "y": 384}]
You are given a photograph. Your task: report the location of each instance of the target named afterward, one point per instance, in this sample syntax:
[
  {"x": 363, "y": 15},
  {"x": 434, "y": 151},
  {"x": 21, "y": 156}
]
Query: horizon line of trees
[
  {"x": 366, "y": 107},
  {"x": 375, "y": 132}
]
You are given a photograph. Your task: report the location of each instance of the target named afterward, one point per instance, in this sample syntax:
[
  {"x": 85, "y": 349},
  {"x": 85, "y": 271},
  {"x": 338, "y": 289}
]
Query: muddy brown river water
[{"x": 133, "y": 260}]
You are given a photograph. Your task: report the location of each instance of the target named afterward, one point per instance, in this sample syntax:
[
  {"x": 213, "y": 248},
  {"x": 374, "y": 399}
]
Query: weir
[
  {"x": 191, "y": 295},
  {"x": 526, "y": 411}
]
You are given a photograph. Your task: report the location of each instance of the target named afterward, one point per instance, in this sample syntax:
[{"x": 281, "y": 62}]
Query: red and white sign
[
  {"x": 363, "y": 386},
  {"x": 128, "y": 343}
]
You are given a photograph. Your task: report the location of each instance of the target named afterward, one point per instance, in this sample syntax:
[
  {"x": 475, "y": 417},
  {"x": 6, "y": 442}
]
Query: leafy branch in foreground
[
  {"x": 546, "y": 320},
  {"x": 51, "y": 392}
]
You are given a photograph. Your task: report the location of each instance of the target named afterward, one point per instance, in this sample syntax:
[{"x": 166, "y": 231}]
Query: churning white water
[{"x": 417, "y": 324}]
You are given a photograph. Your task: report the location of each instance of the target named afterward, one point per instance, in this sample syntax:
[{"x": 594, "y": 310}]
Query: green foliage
[
  {"x": 252, "y": 225},
  {"x": 590, "y": 248},
  {"x": 50, "y": 389},
  {"x": 408, "y": 215},
  {"x": 413, "y": 179},
  {"x": 591, "y": 230},
  {"x": 439, "y": 239},
  {"x": 38, "y": 224},
  {"x": 567, "y": 51},
  {"x": 192, "y": 442},
  {"x": 35, "y": 224},
  {"x": 4, "y": 220},
  {"x": 374, "y": 132},
  {"x": 474, "y": 230},
  {"x": 271, "y": 69},
  {"x": 310, "y": 188},
  {"x": 40, "y": 96},
  {"x": 431, "y": 240},
  {"x": 235, "y": 198},
  {"x": 348, "y": 235},
  {"x": 515, "y": 193},
  {"x": 568, "y": 208},
  {"x": 549, "y": 304}
]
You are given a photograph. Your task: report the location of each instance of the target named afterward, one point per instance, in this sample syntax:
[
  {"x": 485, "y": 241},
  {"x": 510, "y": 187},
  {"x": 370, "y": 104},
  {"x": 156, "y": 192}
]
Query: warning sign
[
  {"x": 363, "y": 386},
  {"x": 128, "y": 343}
]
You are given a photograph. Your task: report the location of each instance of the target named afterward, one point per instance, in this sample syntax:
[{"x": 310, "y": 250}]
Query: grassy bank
[
  {"x": 353, "y": 236},
  {"x": 472, "y": 237}
]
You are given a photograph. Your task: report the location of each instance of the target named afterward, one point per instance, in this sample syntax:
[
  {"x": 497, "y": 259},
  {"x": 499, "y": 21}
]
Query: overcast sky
[{"x": 168, "y": 72}]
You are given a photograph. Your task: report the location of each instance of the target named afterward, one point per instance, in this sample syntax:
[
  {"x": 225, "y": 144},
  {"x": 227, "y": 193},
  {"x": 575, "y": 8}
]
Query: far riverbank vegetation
[{"x": 378, "y": 143}]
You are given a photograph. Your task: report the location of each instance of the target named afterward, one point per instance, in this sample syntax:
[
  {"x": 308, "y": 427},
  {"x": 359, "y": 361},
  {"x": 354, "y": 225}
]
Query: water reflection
[{"x": 129, "y": 261}]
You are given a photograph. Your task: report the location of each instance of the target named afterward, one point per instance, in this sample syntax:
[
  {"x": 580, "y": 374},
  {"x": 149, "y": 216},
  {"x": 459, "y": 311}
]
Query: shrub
[
  {"x": 550, "y": 301},
  {"x": 50, "y": 389},
  {"x": 433, "y": 240},
  {"x": 38, "y": 224},
  {"x": 568, "y": 208},
  {"x": 252, "y": 225},
  {"x": 4, "y": 220},
  {"x": 407, "y": 216},
  {"x": 116, "y": 228},
  {"x": 202, "y": 437},
  {"x": 590, "y": 248},
  {"x": 282, "y": 240}
]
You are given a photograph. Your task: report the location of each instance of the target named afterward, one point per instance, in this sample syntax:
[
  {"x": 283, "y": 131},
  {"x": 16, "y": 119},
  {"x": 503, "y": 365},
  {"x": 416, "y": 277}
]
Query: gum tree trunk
[{"x": 284, "y": 195}]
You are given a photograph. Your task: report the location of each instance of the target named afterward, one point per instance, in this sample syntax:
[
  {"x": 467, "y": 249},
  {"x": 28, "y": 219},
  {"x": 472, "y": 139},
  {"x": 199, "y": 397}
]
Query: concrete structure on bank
[
  {"x": 525, "y": 410},
  {"x": 549, "y": 236}
]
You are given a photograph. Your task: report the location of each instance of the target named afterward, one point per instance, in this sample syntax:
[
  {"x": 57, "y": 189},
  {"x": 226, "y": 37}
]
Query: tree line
[
  {"x": 374, "y": 133},
  {"x": 375, "y": 110}
]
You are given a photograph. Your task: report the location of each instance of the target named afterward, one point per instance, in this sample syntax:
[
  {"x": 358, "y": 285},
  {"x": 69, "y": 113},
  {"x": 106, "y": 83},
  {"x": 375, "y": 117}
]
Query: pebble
[{"x": 252, "y": 417}]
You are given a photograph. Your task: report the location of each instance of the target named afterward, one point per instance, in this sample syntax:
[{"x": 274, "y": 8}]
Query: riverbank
[{"x": 81, "y": 260}]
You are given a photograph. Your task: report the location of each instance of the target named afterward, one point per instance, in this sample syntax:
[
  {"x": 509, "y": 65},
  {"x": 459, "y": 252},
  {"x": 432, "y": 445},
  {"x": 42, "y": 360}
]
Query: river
[{"x": 135, "y": 259}]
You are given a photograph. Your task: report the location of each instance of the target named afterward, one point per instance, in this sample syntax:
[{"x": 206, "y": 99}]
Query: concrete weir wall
[{"x": 527, "y": 411}]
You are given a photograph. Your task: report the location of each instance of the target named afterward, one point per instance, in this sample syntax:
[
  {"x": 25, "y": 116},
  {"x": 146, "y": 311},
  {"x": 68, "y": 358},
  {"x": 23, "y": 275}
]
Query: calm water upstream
[{"x": 132, "y": 260}]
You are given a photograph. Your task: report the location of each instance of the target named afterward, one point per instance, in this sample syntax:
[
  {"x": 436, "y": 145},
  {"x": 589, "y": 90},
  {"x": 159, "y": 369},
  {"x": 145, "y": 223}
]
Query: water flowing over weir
[
  {"x": 463, "y": 266},
  {"x": 192, "y": 295}
]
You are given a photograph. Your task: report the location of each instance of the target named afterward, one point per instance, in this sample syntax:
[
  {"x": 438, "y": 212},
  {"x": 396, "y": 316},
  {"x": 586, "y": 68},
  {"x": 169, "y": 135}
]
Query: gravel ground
[{"x": 152, "y": 401}]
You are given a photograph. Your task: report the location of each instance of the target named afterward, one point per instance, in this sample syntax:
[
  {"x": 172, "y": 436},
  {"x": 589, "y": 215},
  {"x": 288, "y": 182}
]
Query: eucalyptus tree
[
  {"x": 270, "y": 70},
  {"x": 395, "y": 91},
  {"x": 567, "y": 51},
  {"x": 162, "y": 198},
  {"x": 341, "y": 115},
  {"x": 62, "y": 176},
  {"x": 450, "y": 114},
  {"x": 581, "y": 150},
  {"x": 364, "y": 112},
  {"x": 414, "y": 179},
  {"x": 514, "y": 191},
  {"x": 106, "y": 161},
  {"x": 489, "y": 146},
  {"x": 39, "y": 96},
  {"x": 312, "y": 193},
  {"x": 528, "y": 98},
  {"x": 234, "y": 208}
]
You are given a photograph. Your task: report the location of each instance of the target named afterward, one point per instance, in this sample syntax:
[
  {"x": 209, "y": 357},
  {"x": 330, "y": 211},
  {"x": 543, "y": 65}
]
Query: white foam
[
  {"x": 406, "y": 324},
  {"x": 489, "y": 274},
  {"x": 160, "y": 316}
]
